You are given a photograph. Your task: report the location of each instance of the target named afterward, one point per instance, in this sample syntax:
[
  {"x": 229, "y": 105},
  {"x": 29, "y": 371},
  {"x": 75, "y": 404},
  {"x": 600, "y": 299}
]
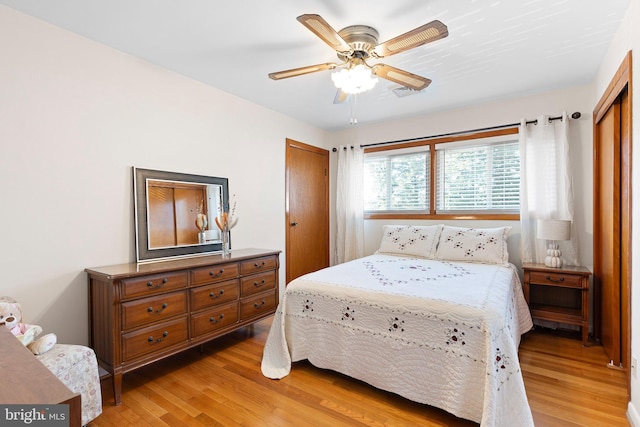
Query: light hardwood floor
[{"x": 567, "y": 385}]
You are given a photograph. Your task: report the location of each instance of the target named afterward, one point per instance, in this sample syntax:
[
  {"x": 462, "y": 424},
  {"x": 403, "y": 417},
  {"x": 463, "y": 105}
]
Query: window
[
  {"x": 397, "y": 182},
  {"x": 467, "y": 176},
  {"x": 475, "y": 178}
]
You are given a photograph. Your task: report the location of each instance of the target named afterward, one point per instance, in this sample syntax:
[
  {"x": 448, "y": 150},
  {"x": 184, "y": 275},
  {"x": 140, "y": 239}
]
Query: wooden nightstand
[{"x": 558, "y": 294}]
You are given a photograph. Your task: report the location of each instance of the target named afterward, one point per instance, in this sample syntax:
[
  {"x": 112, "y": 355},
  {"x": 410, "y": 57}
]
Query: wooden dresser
[{"x": 140, "y": 313}]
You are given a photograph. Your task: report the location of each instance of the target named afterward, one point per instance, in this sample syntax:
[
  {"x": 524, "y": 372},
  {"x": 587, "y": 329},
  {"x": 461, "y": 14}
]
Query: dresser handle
[
  {"x": 159, "y": 285},
  {"x": 560, "y": 280},
  {"x": 257, "y": 285},
  {"x": 218, "y": 320},
  {"x": 256, "y": 265},
  {"x": 164, "y": 335},
  {"x": 211, "y": 273},
  {"x": 160, "y": 310},
  {"x": 212, "y": 295},
  {"x": 256, "y": 305}
]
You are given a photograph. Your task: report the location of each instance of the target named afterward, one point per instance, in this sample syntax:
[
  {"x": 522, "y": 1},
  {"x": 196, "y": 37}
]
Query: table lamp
[{"x": 553, "y": 230}]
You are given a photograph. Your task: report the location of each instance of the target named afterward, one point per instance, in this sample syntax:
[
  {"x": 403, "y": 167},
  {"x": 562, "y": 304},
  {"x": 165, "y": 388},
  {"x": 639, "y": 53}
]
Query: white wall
[
  {"x": 492, "y": 114},
  {"x": 75, "y": 116},
  {"x": 628, "y": 38}
]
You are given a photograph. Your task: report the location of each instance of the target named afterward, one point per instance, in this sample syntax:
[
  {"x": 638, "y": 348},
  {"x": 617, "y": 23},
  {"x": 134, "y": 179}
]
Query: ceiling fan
[{"x": 356, "y": 44}]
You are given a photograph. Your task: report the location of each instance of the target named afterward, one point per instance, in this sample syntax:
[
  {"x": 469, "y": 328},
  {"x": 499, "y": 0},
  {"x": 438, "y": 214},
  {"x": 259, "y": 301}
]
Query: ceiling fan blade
[
  {"x": 427, "y": 33},
  {"x": 402, "y": 77},
  {"x": 322, "y": 29},
  {"x": 302, "y": 70},
  {"x": 340, "y": 97}
]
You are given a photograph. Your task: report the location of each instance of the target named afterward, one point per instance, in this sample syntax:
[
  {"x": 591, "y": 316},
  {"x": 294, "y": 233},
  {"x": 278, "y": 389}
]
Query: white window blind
[
  {"x": 481, "y": 177},
  {"x": 397, "y": 182}
]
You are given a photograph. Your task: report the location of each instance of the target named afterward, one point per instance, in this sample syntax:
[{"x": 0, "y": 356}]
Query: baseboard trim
[{"x": 633, "y": 416}]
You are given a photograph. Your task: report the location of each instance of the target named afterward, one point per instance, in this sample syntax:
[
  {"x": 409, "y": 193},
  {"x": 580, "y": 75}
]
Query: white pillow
[
  {"x": 412, "y": 240},
  {"x": 486, "y": 245}
]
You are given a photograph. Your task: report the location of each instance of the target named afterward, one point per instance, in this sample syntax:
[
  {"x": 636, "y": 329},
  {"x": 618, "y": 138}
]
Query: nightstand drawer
[{"x": 555, "y": 279}]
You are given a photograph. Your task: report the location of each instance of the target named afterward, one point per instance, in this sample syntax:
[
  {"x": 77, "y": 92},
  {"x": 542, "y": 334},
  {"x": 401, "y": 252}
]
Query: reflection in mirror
[
  {"x": 175, "y": 213},
  {"x": 174, "y": 208}
]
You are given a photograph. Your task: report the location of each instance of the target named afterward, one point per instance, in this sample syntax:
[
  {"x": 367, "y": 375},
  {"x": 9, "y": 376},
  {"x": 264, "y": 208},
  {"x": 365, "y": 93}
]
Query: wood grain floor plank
[{"x": 221, "y": 384}]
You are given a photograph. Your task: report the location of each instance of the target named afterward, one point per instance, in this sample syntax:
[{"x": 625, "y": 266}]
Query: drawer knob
[
  {"x": 256, "y": 265},
  {"x": 559, "y": 280},
  {"x": 218, "y": 320},
  {"x": 214, "y": 274},
  {"x": 258, "y": 284},
  {"x": 164, "y": 335},
  {"x": 256, "y": 305},
  {"x": 159, "y": 285},
  {"x": 160, "y": 310},
  {"x": 213, "y": 295}
]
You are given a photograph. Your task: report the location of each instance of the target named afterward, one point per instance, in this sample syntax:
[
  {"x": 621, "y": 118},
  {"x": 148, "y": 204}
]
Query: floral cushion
[
  {"x": 77, "y": 368},
  {"x": 485, "y": 245},
  {"x": 420, "y": 241}
]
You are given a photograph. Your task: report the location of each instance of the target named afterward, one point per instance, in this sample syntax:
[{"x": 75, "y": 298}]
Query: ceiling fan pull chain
[{"x": 354, "y": 119}]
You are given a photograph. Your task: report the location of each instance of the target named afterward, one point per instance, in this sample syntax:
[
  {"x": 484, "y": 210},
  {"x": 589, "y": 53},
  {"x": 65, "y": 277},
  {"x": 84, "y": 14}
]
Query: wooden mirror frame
[{"x": 141, "y": 210}]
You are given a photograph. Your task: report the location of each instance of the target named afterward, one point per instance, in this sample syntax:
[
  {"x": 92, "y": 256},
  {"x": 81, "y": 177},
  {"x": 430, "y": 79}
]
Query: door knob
[{"x": 293, "y": 224}]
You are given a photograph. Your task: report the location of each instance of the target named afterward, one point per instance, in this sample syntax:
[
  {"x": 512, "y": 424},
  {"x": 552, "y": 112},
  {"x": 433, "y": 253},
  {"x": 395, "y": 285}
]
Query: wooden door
[
  {"x": 307, "y": 209},
  {"x": 162, "y": 215},
  {"x": 189, "y": 202},
  {"x": 612, "y": 219},
  {"x": 607, "y": 232}
]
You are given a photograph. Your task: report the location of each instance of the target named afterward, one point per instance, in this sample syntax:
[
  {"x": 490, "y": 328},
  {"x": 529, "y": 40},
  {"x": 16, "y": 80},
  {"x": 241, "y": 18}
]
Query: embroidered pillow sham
[
  {"x": 413, "y": 240},
  {"x": 484, "y": 245}
]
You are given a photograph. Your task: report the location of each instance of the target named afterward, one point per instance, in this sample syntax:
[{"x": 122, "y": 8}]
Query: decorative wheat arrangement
[
  {"x": 201, "y": 222},
  {"x": 227, "y": 220}
]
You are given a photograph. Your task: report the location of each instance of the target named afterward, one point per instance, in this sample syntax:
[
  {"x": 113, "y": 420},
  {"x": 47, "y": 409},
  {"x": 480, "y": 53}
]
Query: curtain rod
[{"x": 575, "y": 115}]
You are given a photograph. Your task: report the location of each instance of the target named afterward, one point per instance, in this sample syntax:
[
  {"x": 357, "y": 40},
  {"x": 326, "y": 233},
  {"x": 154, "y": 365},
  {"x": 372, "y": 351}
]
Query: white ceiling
[{"x": 495, "y": 49}]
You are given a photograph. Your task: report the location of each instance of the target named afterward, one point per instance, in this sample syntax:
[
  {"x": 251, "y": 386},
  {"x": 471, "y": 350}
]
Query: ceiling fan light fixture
[{"x": 354, "y": 80}]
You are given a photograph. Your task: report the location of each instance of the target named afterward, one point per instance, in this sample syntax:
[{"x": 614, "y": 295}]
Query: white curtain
[
  {"x": 546, "y": 190},
  {"x": 349, "y": 205}
]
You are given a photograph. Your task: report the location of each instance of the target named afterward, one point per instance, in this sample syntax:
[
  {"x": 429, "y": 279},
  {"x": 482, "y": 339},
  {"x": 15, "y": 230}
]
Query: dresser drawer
[
  {"x": 214, "y": 273},
  {"x": 153, "y": 309},
  {"x": 154, "y": 339},
  {"x": 147, "y": 285},
  {"x": 205, "y": 296},
  {"x": 214, "y": 319},
  {"x": 258, "y": 264},
  {"x": 258, "y": 305},
  {"x": 555, "y": 279},
  {"x": 258, "y": 283}
]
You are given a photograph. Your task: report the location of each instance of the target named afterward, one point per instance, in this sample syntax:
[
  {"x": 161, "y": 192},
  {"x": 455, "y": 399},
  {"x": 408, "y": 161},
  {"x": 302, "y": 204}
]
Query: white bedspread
[{"x": 441, "y": 333}]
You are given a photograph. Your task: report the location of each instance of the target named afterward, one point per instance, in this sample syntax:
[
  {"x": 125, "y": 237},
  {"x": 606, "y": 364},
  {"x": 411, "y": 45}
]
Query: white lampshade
[{"x": 554, "y": 229}]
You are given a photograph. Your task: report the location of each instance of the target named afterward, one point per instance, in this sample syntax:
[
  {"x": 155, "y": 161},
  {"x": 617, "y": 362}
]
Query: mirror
[{"x": 175, "y": 213}]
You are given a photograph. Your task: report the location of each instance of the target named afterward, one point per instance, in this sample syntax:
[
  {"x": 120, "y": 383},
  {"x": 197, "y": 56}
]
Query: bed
[{"x": 424, "y": 322}]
